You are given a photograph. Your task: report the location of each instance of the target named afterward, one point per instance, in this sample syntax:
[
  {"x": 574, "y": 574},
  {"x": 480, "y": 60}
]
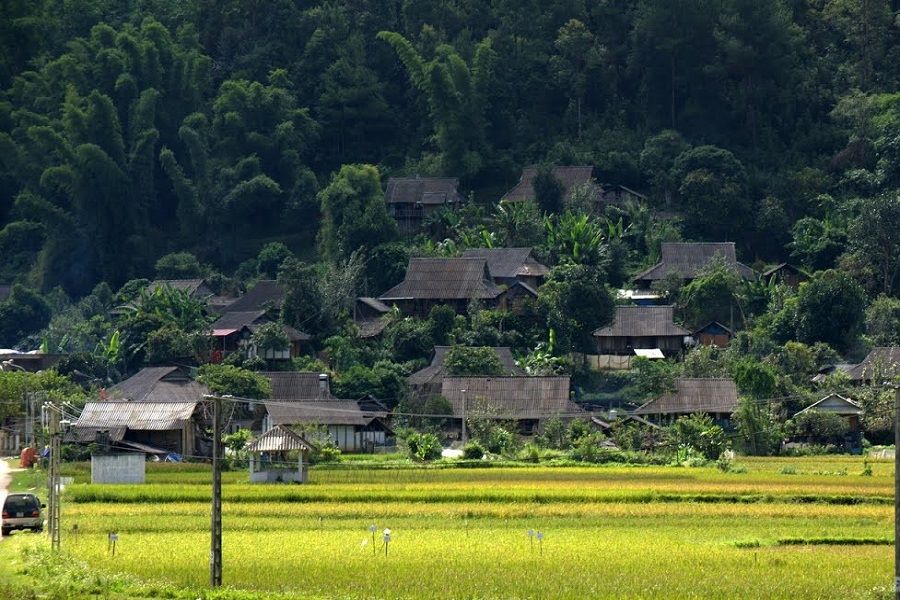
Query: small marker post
[
  {"x": 530, "y": 534},
  {"x": 386, "y": 536},
  {"x": 540, "y": 538},
  {"x": 373, "y": 528},
  {"x": 111, "y": 544}
]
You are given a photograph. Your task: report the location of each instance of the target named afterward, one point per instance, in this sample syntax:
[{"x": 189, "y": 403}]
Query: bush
[
  {"x": 423, "y": 446},
  {"x": 587, "y": 448},
  {"x": 473, "y": 451},
  {"x": 699, "y": 433}
]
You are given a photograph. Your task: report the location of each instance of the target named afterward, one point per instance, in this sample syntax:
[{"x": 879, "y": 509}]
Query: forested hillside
[{"x": 133, "y": 129}]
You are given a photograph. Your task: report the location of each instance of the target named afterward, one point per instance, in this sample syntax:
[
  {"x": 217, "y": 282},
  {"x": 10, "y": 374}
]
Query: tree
[
  {"x": 817, "y": 243},
  {"x": 234, "y": 381},
  {"x": 699, "y": 433},
  {"x": 875, "y": 233},
  {"x": 576, "y": 302},
  {"x": 830, "y": 309},
  {"x": 883, "y": 321},
  {"x": 548, "y": 190},
  {"x": 178, "y": 265},
  {"x": 473, "y": 361},
  {"x": 759, "y": 432},
  {"x": 354, "y": 214},
  {"x": 578, "y": 54},
  {"x": 270, "y": 337},
  {"x": 712, "y": 296},
  {"x": 270, "y": 259},
  {"x": 817, "y": 427},
  {"x": 303, "y": 301},
  {"x": 712, "y": 190},
  {"x": 658, "y": 158},
  {"x": 22, "y": 314}
]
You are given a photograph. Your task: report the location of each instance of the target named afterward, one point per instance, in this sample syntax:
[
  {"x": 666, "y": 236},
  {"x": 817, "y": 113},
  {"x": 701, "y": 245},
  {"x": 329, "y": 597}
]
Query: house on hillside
[
  {"x": 714, "y": 396},
  {"x": 786, "y": 273},
  {"x": 265, "y": 295},
  {"x": 429, "y": 381},
  {"x": 636, "y": 328},
  {"x": 153, "y": 427},
  {"x": 233, "y": 332},
  {"x": 842, "y": 406},
  {"x": 688, "y": 259},
  {"x": 369, "y": 316},
  {"x": 158, "y": 384},
  {"x": 431, "y": 282},
  {"x": 618, "y": 195},
  {"x": 529, "y": 401},
  {"x": 880, "y": 365},
  {"x": 303, "y": 398},
  {"x": 511, "y": 265},
  {"x": 713, "y": 334},
  {"x": 570, "y": 177},
  {"x": 411, "y": 200}
]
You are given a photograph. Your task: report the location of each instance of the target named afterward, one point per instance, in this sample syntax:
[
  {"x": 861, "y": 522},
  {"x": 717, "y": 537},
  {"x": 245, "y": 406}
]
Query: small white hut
[{"x": 269, "y": 456}]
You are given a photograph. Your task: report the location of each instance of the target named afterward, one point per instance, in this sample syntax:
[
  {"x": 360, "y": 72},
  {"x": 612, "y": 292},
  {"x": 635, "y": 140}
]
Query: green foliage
[
  {"x": 270, "y": 259},
  {"x": 548, "y": 191},
  {"x": 818, "y": 427},
  {"x": 759, "y": 432},
  {"x": 23, "y": 313},
  {"x": 712, "y": 296},
  {"x": 15, "y": 384},
  {"x": 473, "y": 451},
  {"x": 473, "y": 361},
  {"x": 270, "y": 336},
  {"x": 830, "y": 309},
  {"x": 237, "y": 440},
  {"x": 576, "y": 302},
  {"x": 699, "y": 433},
  {"x": 234, "y": 381},
  {"x": 423, "y": 446},
  {"x": 883, "y": 321},
  {"x": 178, "y": 265}
]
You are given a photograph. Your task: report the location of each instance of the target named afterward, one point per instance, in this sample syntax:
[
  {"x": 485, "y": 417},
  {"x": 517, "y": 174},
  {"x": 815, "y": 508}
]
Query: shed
[
  {"x": 840, "y": 405},
  {"x": 411, "y": 200},
  {"x": 172, "y": 426},
  {"x": 715, "y": 396},
  {"x": 269, "y": 456},
  {"x": 369, "y": 315},
  {"x": 785, "y": 273},
  {"x": 714, "y": 334}
]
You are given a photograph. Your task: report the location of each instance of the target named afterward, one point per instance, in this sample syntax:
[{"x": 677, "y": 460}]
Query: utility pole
[
  {"x": 215, "y": 551},
  {"x": 53, "y": 414},
  {"x": 897, "y": 492},
  {"x": 465, "y": 435}
]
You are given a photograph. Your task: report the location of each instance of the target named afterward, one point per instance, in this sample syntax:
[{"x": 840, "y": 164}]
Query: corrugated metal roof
[
  {"x": 691, "y": 395},
  {"x": 834, "y": 403},
  {"x": 298, "y": 386},
  {"x": 333, "y": 412},
  {"x": 422, "y": 190},
  {"x": 882, "y": 362},
  {"x": 444, "y": 279},
  {"x": 688, "y": 259},
  {"x": 144, "y": 416},
  {"x": 643, "y": 321},
  {"x": 511, "y": 397},
  {"x": 279, "y": 439}
]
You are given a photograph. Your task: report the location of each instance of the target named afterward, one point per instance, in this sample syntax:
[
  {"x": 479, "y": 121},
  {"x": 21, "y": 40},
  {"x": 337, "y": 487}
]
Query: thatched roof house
[
  {"x": 881, "y": 364},
  {"x": 641, "y": 327},
  {"x": 508, "y": 265},
  {"x": 433, "y": 281},
  {"x": 688, "y": 259},
  {"x": 410, "y": 200},
  {"x": 716, "y": 396},
  {"x": 570, "y": 178}
]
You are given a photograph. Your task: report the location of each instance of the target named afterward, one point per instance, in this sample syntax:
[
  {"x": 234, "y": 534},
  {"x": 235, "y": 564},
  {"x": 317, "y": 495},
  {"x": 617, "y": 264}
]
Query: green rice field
[{"x": 782, "y": 528}]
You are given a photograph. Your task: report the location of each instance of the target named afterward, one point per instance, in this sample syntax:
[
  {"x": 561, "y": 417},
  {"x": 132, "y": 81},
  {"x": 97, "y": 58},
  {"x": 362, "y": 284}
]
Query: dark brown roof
[
  {"x": 509, "y": 262},
  {"x": 444, "y": 279},
  {"x": 784, "y": 267},
  {"x": 643, "y": 321},
  {"x": 159, "y": 384},
  {"x": 436, "y": 371},
  {"x": 298, "y": 386},
  {"x": 881, "y": 363},
  {"x": 375, "y": 304},
  {"x": 692, "y": 395},
  {"x": 279, "y": 439},
  {"x": 422, "y": 190},
  {"x": 369, "y": 328},
  {"x": 512, "y": 397},
  {"x": 5, "y": 290},
  {"x": 192, "y": 286},
  {"x": 569, "y": 177},
  {"x": 689, "y": 258},
  {"x": 333, "y": 412},
  {"x": 238, "y": 319},
  {"x": 262, "y": 296}
]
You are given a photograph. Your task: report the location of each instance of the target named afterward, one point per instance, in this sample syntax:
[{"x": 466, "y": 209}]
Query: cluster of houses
[{"x": 162, "y": 411}]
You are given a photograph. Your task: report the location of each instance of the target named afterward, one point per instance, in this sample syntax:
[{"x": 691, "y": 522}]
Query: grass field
[{"x": 785, "y": 528}]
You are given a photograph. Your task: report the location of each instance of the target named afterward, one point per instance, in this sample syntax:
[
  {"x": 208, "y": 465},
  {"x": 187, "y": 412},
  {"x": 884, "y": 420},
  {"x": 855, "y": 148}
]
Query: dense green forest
[{"x": 245, "y": 140}]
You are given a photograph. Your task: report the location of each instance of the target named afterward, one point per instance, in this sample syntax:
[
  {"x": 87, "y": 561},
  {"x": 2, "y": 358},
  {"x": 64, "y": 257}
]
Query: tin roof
[
  {"x": 279, "y": 439},
  {"x": 298, "y": 386},
  {"x": 144, "y": 416},
  {"x": 834, "y": 403},
  {"x": 692, "y": 395},
  {"x": 642, "y": 321},
  {"x": 511, "y": 397},
  {"x": 327, "y": 412}
]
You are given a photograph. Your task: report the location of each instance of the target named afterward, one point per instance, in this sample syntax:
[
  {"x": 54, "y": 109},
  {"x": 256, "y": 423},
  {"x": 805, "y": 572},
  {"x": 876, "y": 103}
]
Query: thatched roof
[
  {"x": 436, "y": 371},
  {"x": 422, "y": 190},
  {"x": 511, "y": 397},
  {"x": 299, "y": 386},
  {"x": 159, "y": 384},
  {"x": 642, "y": 321},
  {"x": 881, "y": 363},
  {"x": 444, "y": 279},
  {"x": 569, "y": 177},
  {"x": 693, "y": 395},
  {"x": 279, "y": 439},
  {"x": 509, "y": 263},
  {"x": 688, "y": 259},
  {"x": 262, "y": 296}
]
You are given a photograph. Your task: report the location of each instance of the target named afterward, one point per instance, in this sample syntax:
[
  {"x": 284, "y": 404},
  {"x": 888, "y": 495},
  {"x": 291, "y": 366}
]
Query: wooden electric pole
[
  {"x": 897, "y": 492},
  {"x": 55, "y": 431},
  {"x": 215, "y": 552}
]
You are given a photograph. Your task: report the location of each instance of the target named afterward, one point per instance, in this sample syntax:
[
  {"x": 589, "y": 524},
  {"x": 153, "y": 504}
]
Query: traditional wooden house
[
  {"x": 529, "y": 401},
  {"x": 429, "y": 381},
  {"x": 270, "y": 456},
  {"x": 618, "y": 195},
  {"x": 411, "y": 200},
  {"x": 306, "y": 399},
  {"x": 511, "y": 265},
  {"x": 839, "y": 405},
  {"x": 233, "y": 332},
  {"x": 688, "y": 259},
  {"x": 146, "y": 426},
  {"x": 266, "y": 295},
  {"x": 716, "y": 397},
  {"x": 570, "y": 177},
  {"x": 641, "y": 328},
  {"x": 785, "y": 273},
  {"x": 369, "y": 315},
  {"x": 431, "y": 282},
  {"x": 158, "y": 384},
  {"x": 880, "y": 365},
  {"x": 714, "y": 334}
]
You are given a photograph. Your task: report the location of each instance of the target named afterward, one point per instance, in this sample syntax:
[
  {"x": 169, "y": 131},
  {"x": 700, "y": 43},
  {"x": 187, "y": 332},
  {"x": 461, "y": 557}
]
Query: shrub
[
  {"x": 587, "y": 448},
  {"x": 423, "y": 446},
  {"x": 699, "y": 433},
  {"x": 473, "y": 451}
]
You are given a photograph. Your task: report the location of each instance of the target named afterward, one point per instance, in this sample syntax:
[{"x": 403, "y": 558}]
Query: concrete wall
[{"x": 118, "y": 468}]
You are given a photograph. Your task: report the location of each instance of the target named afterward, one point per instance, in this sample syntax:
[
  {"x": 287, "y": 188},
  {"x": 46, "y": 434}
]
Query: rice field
[{"x": 785, "y": 528}]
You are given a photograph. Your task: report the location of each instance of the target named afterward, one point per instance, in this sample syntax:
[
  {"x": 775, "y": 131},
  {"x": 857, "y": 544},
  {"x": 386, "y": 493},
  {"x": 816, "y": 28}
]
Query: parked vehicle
[{"x": 22, "y": 511}]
